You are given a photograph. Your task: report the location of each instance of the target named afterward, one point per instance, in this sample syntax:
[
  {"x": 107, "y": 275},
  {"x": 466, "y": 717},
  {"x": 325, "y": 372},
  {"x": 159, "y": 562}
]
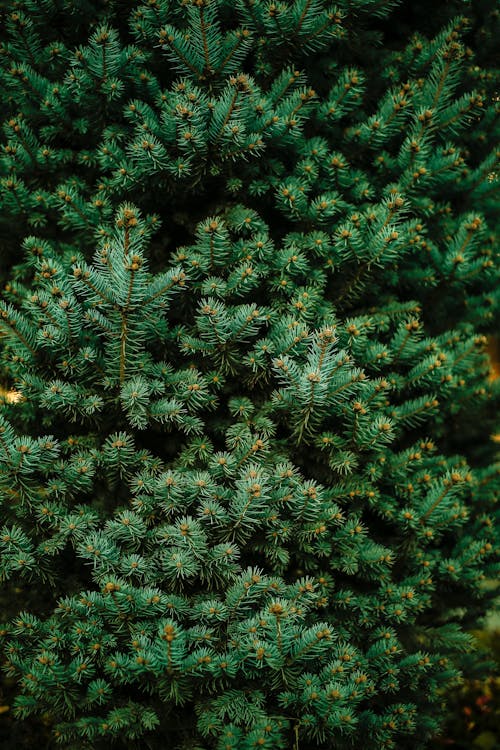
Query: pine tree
[{"x": 250, "y": 273}]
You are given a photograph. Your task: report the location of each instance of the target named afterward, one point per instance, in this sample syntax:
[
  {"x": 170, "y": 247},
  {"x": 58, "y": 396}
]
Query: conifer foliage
[{"x": 251, "y": 473}]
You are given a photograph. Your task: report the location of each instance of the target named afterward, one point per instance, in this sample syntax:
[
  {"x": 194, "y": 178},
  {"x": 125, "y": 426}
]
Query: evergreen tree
[{"x": 251, "y": 476}]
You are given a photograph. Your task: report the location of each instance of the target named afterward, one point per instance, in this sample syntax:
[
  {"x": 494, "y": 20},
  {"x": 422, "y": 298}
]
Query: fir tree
[{"x": 251, "y": 473}]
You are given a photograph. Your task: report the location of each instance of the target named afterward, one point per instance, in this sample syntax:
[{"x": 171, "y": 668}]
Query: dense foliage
[{"x": 251, "y": 475}]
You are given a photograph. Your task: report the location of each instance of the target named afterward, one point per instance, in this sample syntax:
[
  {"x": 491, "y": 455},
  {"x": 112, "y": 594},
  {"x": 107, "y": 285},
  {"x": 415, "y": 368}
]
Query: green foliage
[
  {"x": 251, "y": 473},
  {"x": 475, "y": 720}
]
